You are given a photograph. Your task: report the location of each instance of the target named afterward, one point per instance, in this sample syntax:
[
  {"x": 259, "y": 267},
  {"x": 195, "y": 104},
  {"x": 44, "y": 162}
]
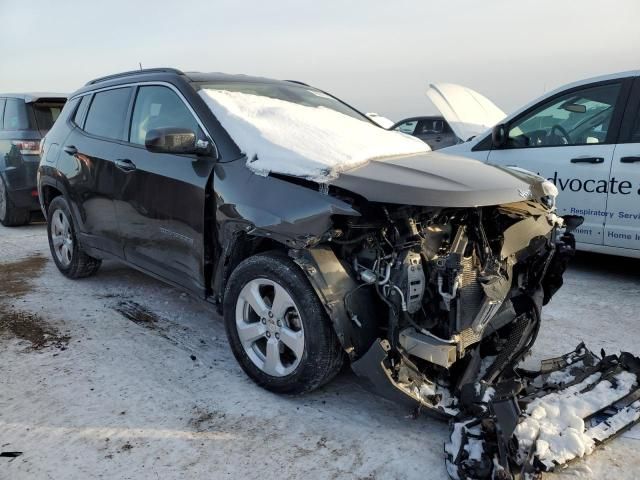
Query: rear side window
[
  {"x": 15, "y": 115},
  {"x": 108, "y": 113},
  {"x": 78, "y": 117},
  {"x": 46, "y": 113},
  {"x": 159, "y": 107},
  {"x": 2, "y": 102}
]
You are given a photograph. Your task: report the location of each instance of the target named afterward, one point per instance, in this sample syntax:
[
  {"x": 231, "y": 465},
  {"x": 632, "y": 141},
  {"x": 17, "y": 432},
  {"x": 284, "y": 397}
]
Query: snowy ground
[{"x": 86, "y": 392}]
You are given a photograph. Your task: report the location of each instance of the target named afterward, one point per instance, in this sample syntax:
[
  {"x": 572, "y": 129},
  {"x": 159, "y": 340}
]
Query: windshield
[
  {"x": 294, "y": 93},
  {"x": 46, "y": 114}
]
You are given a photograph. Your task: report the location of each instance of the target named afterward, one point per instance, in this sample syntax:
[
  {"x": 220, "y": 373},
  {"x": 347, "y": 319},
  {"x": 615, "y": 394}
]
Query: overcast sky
[{"x": 378, "y": 55}]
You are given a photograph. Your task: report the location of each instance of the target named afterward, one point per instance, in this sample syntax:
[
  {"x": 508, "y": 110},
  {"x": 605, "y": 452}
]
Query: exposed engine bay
[
  {"x": 442, "y": 306},
  {"x": 451, "y": 288}
]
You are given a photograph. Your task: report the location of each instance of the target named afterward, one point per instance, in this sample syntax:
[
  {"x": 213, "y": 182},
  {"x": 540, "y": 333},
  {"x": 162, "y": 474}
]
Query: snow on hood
[
  {"x": 311, "y": 142},
  {"x": 468, "y": 112}
]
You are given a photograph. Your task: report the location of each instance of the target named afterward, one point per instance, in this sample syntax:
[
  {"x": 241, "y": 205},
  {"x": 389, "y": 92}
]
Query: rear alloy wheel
[
  {"x": 10, "y": 216},
  {"x": 277, "y": 327},
  {"x": 67, "y": 253}
]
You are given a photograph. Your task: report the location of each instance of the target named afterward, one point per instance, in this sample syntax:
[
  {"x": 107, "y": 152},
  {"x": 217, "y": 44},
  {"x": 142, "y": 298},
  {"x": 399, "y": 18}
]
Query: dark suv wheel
[
  {"x": 66, "y": 251},
  {"x": 10, "y": 215},
  {"x": 277, "y": 327}
]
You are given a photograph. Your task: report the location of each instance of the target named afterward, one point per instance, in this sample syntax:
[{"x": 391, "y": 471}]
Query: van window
[
  {"x": 635, "y": 131},
  {"x": 15, "y": 115},
  {"x": 159, "y": 107},
  {"x": 108, "y": 113},
  {"x": 580, "y": 117}
]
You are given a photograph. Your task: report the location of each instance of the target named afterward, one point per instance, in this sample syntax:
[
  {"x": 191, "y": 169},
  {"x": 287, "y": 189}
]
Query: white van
[{"x": 585, "y": 137}]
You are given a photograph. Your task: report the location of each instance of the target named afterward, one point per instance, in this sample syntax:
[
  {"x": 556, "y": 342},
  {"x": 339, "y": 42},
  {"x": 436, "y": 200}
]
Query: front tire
[
  {"x": 10, "y": 215},
  {"x": 277, "y": 327},
  {"x": 66, "y": 251}
]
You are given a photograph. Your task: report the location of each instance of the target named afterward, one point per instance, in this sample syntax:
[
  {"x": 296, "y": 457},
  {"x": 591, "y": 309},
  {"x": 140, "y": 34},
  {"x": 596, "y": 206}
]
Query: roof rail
[
  {"x": 135, "y": 72},
  {"x": 298, "y": 82}
]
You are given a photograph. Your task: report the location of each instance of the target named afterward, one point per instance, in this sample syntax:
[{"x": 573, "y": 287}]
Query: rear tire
[
  {"x": 66, "y": 251},
  {"x": 277, "y": 327},
  {"x": 10, "y": 215}
]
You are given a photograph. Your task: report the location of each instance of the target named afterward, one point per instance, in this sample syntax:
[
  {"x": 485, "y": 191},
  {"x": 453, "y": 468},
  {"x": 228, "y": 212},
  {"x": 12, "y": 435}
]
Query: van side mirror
[
  {"x": 180, "y": 141},
  {"x": 499, "y": 135}
]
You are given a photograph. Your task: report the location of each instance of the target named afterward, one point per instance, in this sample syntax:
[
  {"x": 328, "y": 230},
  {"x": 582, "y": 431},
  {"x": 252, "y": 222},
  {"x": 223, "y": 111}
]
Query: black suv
[
  {"x": 404, "y": 264},
  {"x": 24, "y": 119}
]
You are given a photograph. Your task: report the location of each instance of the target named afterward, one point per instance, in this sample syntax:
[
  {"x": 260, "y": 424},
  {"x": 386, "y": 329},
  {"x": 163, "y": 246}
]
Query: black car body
[
  {"x": 24, "y": 119},
  {"x": 433, "y": 130},
  {"x": 417, "y": 266}
]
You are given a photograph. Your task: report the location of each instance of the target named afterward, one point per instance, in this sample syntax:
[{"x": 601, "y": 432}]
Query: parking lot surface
[{"x": 119, "y": 376}]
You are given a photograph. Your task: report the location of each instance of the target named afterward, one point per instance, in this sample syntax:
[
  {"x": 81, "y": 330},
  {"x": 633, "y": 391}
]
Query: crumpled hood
[
  {"x": 439, "y": 180},
  {"x": 467, "y": 112}
]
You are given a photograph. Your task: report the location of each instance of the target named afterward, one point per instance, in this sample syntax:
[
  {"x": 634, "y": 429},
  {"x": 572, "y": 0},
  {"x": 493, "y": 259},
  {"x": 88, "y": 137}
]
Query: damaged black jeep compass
[{"x": 321, "y": 237}]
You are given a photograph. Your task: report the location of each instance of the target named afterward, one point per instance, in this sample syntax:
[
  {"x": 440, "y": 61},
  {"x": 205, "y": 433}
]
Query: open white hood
[{"x": 467, "y": 112}]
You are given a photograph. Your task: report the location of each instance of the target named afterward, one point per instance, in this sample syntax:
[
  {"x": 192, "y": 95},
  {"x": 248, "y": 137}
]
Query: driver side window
[
  {"x": 159, "y": 107},
  {"x": 580, "y": 117}
]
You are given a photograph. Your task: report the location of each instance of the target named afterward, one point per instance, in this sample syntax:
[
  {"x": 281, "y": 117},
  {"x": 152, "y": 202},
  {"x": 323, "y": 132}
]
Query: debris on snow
[{"x": 555, "y": 422}]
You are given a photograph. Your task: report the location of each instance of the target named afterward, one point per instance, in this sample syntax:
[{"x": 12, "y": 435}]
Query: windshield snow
[{"x": 301, "y": 131}]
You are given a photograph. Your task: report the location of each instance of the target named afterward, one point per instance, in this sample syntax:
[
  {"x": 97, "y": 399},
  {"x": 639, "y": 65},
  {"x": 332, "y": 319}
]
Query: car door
[
  {"x": 570, "y": 139},
  {"x": 162, "y": 196},
  {"x": 622, "y": 228},
  {"x": 87, "y": 162}
]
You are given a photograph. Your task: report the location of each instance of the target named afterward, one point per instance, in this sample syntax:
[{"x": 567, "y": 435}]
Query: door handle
[
  {"x": 125, "y": 165},
  {"x": 587, "y": 160},
  {"x": 70, "y": 149},
  {"x": 629, "y": 159}
]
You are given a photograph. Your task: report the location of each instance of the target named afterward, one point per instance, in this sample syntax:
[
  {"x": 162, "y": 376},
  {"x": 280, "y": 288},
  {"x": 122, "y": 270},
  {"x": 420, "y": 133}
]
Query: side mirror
[
  {"x": 175, "y": 140},
  {"x": 499, "y": 135}
]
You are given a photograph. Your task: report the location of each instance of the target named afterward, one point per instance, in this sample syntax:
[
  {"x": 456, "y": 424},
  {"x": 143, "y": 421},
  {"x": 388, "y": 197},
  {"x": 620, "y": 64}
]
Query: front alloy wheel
[
  {"x": 269, "y": 327},
  {"x": 277, "y": 328}
]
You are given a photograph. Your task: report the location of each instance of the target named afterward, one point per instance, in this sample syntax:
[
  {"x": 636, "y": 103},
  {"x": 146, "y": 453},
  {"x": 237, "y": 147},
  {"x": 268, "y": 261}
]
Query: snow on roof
[{"x": 304, "y": 141}]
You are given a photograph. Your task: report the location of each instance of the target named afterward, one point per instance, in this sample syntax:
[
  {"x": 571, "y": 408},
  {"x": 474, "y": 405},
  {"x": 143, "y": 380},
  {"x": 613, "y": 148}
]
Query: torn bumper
[{"x": 540, "y": 421}]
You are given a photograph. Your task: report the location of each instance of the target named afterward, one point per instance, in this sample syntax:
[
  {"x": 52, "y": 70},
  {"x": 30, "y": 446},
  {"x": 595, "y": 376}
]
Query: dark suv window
[
  {"x": 159, "y": 107},
  {"x": 108, "y": 113},
  {"x": 46, "y": 114},
  {"x": 15, "y": 115}
]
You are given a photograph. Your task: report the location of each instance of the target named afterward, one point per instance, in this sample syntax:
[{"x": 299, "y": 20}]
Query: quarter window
[
  {"x": 159, "y": 107},
  {"x": 108, "y": 112},
  {"x": 15, "y": 115},
  {"x": 577, "y": 118},
  {"x": 78, "y": 117}
]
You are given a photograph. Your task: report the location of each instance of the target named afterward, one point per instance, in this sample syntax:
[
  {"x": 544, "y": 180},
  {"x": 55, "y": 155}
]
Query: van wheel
[
  {"x": 10, "y": 215},
  {"x": 67, "y": 252},
  {"x": 277, "y": 327}
]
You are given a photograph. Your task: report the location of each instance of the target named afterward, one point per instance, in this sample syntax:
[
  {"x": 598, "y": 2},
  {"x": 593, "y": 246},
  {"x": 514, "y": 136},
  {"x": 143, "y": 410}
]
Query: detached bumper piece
[{"x": 540, "y": 421}]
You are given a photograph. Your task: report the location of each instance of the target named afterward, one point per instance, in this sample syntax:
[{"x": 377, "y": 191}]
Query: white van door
[
  {"x": 622, "y": 228},
  {"x": 569, "y": 139}
]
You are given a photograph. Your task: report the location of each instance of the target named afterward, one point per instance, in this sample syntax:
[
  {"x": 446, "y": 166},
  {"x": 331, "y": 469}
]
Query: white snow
[
  {"x": 555, "y": 421},
  {"x": 311, "y": 142}
]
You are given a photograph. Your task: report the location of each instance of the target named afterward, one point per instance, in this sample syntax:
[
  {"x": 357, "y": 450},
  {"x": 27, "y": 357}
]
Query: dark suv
[
  {"x": 24, "y": 119},
  {"x": 319, "y": 235},
  {"x": 434, "y": 131}
]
